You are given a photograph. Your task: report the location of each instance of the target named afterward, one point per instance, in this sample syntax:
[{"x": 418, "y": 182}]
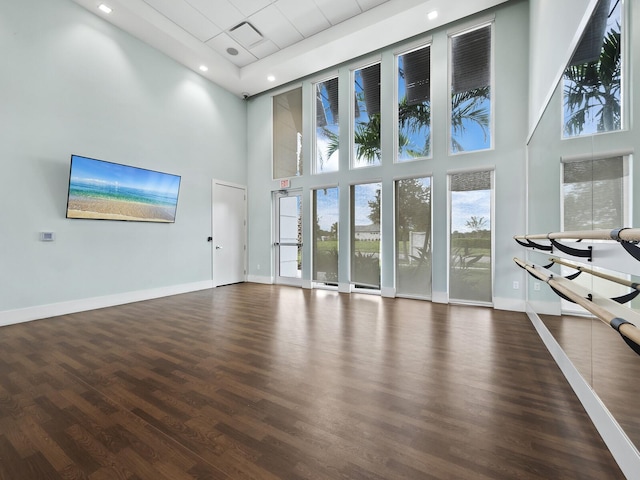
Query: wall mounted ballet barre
[
  {"x": 602, "y": 310},
  {"x": 620, "y": 281},
  {"x": 626, "y": 237}
]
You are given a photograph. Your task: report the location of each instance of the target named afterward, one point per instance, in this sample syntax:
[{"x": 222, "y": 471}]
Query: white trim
[
  {"x": 344, "y": 287},
  {"x": 596, "y": 156},
  {"x": 545, "y": 307},
  {"x": 471, "y": 25},
  {"x": 260, "y": 279},
  {"x": 622, "y": 449},
  {"x": 388, "y": 292},
  {"x": 308, "y": 284},
  {"x": 38, "y": 312},
  {"x": 440, "y": 297},
  {"x": 238, "y": 186},
  {"x": 511, "y": 304}
]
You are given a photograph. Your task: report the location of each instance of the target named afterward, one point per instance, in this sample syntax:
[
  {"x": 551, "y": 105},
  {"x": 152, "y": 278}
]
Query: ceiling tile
[
  {"x": 338, "y": 11},
  {"x": 221, "y": 42},
  {"x": 249, "y": 7},
  {"x": 221, "y": 12},
  {"x": 367, "y": 4},
  {"x": 187, "y": 17},
  {"x": 264, "y": 49},
  {"x": 305, "y": 15},
  {"x": 274, "y": 26}
]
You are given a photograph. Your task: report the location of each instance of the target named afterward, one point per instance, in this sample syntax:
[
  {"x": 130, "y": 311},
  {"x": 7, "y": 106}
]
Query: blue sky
[
  {"x": 466, "y": 204},
  {"x": 89, "y": 170}
]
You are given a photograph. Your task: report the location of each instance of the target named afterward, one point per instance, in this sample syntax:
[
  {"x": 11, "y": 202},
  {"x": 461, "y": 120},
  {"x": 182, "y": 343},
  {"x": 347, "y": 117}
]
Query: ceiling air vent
[{"x": 246, "y": 34}]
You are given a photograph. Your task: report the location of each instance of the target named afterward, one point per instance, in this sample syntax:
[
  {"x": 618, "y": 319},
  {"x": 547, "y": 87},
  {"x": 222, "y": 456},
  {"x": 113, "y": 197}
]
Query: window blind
[{"x": 471, "y": 60}]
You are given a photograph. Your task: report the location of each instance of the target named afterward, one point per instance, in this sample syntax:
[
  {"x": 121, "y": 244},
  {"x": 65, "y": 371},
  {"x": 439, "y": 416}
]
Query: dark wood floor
[
  {"x": 266, "y": 382},
  {"x": 605, "y": 362}
]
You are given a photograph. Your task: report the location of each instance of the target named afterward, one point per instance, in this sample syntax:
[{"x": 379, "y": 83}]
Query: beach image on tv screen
[{"x": 110, "y": 191}]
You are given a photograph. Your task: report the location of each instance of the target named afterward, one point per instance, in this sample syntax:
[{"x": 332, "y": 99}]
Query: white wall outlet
[
  {"x": 536, "y": 286},
  {"x": 516, "y": 285}
]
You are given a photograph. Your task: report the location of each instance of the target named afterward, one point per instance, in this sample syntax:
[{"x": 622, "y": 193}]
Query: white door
[
  {"x": 229, "y": 236},
  {"x": 288, "y": 238}
]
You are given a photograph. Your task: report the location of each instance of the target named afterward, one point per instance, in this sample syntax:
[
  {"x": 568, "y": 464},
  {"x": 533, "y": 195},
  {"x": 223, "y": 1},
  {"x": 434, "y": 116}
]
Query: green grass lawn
[{"x": 360, "y": 246}]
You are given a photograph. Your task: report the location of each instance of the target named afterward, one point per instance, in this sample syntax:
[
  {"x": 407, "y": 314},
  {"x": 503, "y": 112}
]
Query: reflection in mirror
[{"x": 592, "y": 81}]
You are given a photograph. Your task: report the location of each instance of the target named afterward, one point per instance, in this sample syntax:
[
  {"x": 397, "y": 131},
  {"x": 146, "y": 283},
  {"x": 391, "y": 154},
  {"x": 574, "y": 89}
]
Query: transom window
[{"x": 471, "y": 90}]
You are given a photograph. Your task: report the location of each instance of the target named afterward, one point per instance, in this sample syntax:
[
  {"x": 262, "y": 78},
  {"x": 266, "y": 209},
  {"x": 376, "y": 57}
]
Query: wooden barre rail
[
  {"x": 621, "y": 234},
  {"x": 628, "y": 331},
  {"x": 595, "y": 273}
]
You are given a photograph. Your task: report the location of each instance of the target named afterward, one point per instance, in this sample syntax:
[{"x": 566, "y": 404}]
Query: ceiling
[{"x": 250, "y": 46}]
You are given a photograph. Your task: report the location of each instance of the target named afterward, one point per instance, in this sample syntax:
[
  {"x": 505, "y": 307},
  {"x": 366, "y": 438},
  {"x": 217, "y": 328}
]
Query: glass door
[
  {"x": 470, "y": 245},
  {"x": 288, "y": 238}
]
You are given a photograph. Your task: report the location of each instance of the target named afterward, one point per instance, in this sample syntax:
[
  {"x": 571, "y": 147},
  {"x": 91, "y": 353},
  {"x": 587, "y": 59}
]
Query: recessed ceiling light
[
  {"x": 271, "y": 78},
  {"x": 105, "y": 8},
  {"x": 432, "y": 15},
  {"x": 232, "y": 51},
  {"x": 204, "y": 68}
]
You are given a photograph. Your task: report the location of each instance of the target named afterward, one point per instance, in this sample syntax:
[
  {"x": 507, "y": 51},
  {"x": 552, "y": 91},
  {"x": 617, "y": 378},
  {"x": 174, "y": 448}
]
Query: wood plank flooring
[
  {"x": 603, "y": 359},
  {"x": 264, "y": 382}
]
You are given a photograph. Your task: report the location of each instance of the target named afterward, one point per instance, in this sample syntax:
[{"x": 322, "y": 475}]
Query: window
[
  {"x": 413, "y": 237},
  {"x": 592, "y": 82},
  {"x": 287, "y": 134},
  {"x": 366, "y": 119},
  {"x": 327, "y": 126},
  {"x": 414, "y": 104},
  {"x": 365, "y": 235},
  {"x": 325, "y": 235},
  {"x": 470, "y": 272},
  {"x": 594, "y": 194},
  {"x": 471, "y": 90}
]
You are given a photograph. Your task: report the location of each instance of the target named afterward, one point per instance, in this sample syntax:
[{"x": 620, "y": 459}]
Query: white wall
[{"x": 72, "y": 83}]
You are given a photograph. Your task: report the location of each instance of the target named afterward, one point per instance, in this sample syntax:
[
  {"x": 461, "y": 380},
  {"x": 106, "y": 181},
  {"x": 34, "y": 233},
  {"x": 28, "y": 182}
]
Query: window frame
[
  {"x": 627, "y": 185},
  {"x": 289, "y": 89},
  {"x": 492, "y": 170},
  {"x": 625, "y": 70},
  {"x": 430, "y": 176},
  {"x": 314, "y": 110},
  {"x": 409, "y": 48},
  {"x": 377, "y": 60},
  {"x": 483, "y": 23}
]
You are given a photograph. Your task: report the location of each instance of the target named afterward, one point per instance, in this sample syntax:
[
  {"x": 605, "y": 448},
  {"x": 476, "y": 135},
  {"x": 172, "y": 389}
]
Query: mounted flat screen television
[{"x": 110, "y": 191}]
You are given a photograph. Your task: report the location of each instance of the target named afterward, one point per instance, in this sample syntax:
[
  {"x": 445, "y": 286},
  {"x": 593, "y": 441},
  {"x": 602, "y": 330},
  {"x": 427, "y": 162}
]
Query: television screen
[{"x": 110, "y": 191}]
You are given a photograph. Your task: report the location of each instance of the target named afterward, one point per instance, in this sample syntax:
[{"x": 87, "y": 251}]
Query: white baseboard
[
  {"x": 545, "y": 308},
  {"x": 511, "y": 304},
  {"x": 11, "y": 317},
  {"x": 344, "y": 287},
  {"x": 260, "y": 279},
  {"x": 388, "y": 292},
  {"x": 439, "y": 297},
  {"x": 621, "y": 447},
  {"x": 308, "y": 284}
]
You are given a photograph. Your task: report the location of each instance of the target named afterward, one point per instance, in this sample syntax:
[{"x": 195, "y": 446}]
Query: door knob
[{"x": 218, "y": 247}]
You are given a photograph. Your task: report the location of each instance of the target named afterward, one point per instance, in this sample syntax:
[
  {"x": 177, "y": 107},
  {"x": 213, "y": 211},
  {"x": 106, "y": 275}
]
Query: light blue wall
[
  {"x": 511, "y": 50},
  {"x": 546, "y": 148},
  {"x": 72, "y": 83}
]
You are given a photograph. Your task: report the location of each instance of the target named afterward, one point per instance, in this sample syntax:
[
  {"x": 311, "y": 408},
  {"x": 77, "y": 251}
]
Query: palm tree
[
  {"x": 592, "y": 90},
  {"x": 467, "y": 107}
]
